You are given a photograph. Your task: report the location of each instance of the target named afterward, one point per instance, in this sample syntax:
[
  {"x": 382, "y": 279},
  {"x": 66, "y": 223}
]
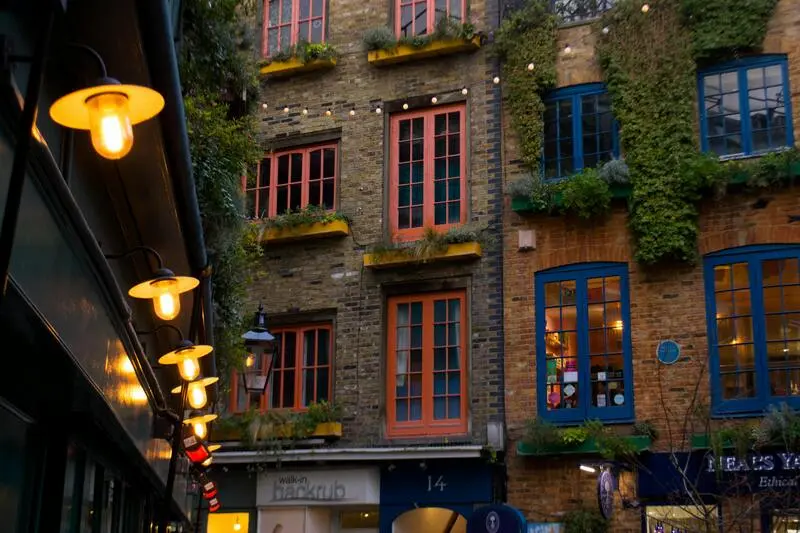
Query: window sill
[
  {"x": 524, "y": 206},
  {"x": 640, "y": 443},
  {"x": 400, "y": 258},
  {"x": 403, "y": 53},
  {"x": 318, "y": 230},
  {"x": 278, "y": 69},
  {"x": 324, "y": 430},
  {"x": 741, "y": 178}
]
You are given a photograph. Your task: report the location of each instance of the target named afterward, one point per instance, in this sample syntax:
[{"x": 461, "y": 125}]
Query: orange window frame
[
  {"x": 429, "y": 161},
  {"x": 293, "y": 23},
  {"x": 299, "y": 367},
  {"x": 430, "y": 15},
  {"x": 427, "y": 426},
  {"x": 306, "y": 180}
]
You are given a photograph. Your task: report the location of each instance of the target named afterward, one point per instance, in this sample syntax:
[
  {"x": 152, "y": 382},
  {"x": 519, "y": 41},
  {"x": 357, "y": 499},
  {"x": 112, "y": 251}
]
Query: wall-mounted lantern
[{"x": 259, "y": 343}]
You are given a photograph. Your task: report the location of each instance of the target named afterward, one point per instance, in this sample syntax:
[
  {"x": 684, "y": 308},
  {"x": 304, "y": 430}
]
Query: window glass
[
  {"x": 685, "y": 518},
  {"x": 569, "y": 11},
  {"x": 13, "y": 443},
  {"x": 420, "y": 17},
  {"x": 288, "y": 22},
  {"x": 745, "y": 106}
]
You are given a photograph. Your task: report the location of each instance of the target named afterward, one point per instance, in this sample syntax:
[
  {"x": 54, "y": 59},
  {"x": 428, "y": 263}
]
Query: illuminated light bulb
[
  {"x": 568, "y": 49},
  {"x": 250, "y": 360},
  {"x": 605, "y": 30},
  {"x": 110, "y": 125},
  {"x": 264, "y": 106},
  {"x": 196, "y": 395},
  {"x": 237, "y": 526},
  {"x": 352, "y": 112},
  {"x": 200, "y": 429},
  {"x": 618, "y": 324},
  {"x": 645, "y": 8},
  {"x": 328, "y": 113},
  {"x": 434, "y": 100},
  {"x": 189, "y": 369},
  {"x": 464, "y": 91},
  {"x": 286, "y": 109},
  {"x": 305, "y": 111},
  {"x": 208, "y": 461},
  {"x": 531, "y": 66},
  {"x": 496, "y": 80},
  {"x": 167, "y": 300},
  {"x": 378, "y": 110},
  {"x": 405, "y": 106},
  {"x": 125, "y": 365}
]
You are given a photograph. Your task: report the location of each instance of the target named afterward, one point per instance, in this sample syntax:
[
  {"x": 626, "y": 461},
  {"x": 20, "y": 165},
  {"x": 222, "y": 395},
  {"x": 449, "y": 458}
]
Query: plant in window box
[
  {"x": 303, "y": 56},
  {"x": 450, "y": 35},
  {"x": 458, "y": 242},
  {"x": 325, "y": 418},
  {"x": 311, "y": 221}
]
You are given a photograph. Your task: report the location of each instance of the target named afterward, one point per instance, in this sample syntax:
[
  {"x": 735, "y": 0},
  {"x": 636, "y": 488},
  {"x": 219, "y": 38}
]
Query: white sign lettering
[{"x": 318, "y": 487}]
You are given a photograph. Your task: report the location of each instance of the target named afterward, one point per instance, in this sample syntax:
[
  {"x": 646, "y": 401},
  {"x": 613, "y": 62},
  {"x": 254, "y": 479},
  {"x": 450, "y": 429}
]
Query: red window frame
[
  {"x": 429, "y": 161},
  {"x": 293, "y": 24},
  {"x": 430, "y": 14},
  {"x": 279, "y": 374},
  {"x": 306, "y": 191},
  {"x": 428, "y": 425}
]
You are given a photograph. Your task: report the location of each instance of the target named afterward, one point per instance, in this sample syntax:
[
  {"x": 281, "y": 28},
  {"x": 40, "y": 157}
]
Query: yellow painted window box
[
  {"x": 295, "y": 66},
  {"x": 286, "y": 430},
  {"x": 328, "y": 429},
  {"x": 334, "y": 228},
  {"x": 404, "y": 52},
  {"x": 399, "y": 258}
]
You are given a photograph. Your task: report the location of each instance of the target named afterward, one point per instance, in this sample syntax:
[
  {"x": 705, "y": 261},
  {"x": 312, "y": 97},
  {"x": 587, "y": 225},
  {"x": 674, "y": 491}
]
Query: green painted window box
[
  {"x": 524, "y": 206},
  {"x": 640, "y": 443}
]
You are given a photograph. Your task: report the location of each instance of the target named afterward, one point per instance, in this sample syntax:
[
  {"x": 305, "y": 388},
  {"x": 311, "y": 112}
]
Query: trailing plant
[
  {"x": 311, "y": 214},
  {"x": 723, "y": 29},
  {"x": 379, "y": 38},
  {"x": 432, "y": 242},
  {"x": 304, "y": 52},
  {"x": 323, "y": 411},
  {"x": 584, "y": 521},
  {"x": 649, "y": 67},
  {"x": 528, "y": 37},
  {"x": 446, "y": 29},
  {"x": 216, "y": 69},
  {"x": 585, "y": 195},
  {"x": 610, "y": 444},
  {"x": 645, "y": 428},
  {"x": 615, "y": 172},
  {"x": 541, "y": 435}
]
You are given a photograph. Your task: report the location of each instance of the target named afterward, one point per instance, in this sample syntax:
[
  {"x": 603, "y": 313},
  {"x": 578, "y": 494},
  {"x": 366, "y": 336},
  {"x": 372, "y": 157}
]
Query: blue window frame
[
  {"x": 746, "y": 107},
  {"x": 753, "y": 306},
  {"x": 583, "y": 343},
  {"x": 579, "y": 130}
]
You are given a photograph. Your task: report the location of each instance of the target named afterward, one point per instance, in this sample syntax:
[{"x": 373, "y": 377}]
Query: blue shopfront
[{"x": 433, "y": 495}]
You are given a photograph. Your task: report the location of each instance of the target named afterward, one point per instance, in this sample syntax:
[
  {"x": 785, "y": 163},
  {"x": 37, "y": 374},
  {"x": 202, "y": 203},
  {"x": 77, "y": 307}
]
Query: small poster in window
[
  {"x": 570, "y": 377},
  {"x": 569, "y": 390},
  {"x": 601, "y": 400},
  {"x": 601, "y": 376}
]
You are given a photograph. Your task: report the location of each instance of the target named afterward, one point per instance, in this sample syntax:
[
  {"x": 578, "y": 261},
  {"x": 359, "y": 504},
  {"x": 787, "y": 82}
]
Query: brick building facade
[
  {"x": 353, "y": 117},
  {"x": 662, "y": 304}
]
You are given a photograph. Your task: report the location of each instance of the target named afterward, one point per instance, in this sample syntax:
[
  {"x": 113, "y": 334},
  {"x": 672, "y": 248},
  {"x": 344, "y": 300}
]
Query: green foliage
[
  {"x": 650, "y": 71},
  {"x": 380, "y": 38},
  {"x": 214, "y": 71},
  {"x": 321, "y": 412},
  {"x": 541, "y": 435},
  {"x": 304, "y": 52},
  {"x": 612, "y": 446},
  {"x": 311, "y": 214},
  {"x": 615, "y": 172},
  {"x": 646, "y": 429},
  {"x": 722, "y": 29},
  {"x": 528, "y": 36},
  {"x": 584, "y": 521},
  {"x": 270, "y": 427},
  {"x": 585, "y": 195},
  {"x": 574, "y": 436},
  {"x": 433, "y": 242}
]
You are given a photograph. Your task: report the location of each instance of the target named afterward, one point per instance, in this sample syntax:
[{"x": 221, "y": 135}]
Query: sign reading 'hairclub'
[{"x": 319, "y": 487}]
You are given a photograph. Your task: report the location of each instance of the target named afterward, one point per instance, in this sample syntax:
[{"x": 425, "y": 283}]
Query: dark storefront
[
  {"x": 759, "y": 492},
  {"x": 81, "y": 407}
]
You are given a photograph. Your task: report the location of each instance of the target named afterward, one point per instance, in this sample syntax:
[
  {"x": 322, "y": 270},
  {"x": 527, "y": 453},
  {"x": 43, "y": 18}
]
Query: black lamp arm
[
  {"x": 145, "y": 249},
  {"x": 160, "y": 327},
  {"x": 92, "y": 52}
]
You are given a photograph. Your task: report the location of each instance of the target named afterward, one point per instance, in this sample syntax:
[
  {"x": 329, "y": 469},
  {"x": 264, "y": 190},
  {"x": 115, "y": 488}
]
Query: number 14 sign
[{"x": 436, "y": 482}]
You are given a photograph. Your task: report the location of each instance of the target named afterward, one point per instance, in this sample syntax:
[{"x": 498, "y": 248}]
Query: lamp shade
[
  {"x": 209, "y": 490},
  {"x": 164, "y": 289},
  {"x": 198, "y": 424},
  {"x": 185, "y": 350},
  {"x": 213, "y": 505},
  {"x": 214, "y": 447}
]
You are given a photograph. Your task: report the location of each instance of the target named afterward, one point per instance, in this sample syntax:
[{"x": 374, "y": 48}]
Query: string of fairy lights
[{"x": 377, "y": 107}]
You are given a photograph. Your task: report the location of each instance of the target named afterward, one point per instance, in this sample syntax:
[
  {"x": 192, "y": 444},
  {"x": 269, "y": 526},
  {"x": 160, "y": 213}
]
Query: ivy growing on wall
[
  {"x": 528, "y": 37},
  {"x": 216, "y": 70}
]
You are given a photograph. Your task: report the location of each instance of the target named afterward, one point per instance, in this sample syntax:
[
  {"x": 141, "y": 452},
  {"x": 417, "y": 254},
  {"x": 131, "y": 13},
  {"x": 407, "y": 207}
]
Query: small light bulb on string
[
  {"x": 328, "y": 113},
  {"x": 605, "y": 30},
  {"x": 405, "y": 106},
  {"x": 378, "y": 110},
  {"x": 531, "y": 66},
  {"x": 305, "y": 111},
  {"x": 286, "y": 109},
  {"x": 465, "y": 91},
  {"x": 645, "y": 8},
  {"x": 434, "y": 100},
  {"x": 352, "y": 112},
  {"x": 496, "y": 80},
  {"x": 567, "y": 49},
  {"x": 264, "y": 106}
]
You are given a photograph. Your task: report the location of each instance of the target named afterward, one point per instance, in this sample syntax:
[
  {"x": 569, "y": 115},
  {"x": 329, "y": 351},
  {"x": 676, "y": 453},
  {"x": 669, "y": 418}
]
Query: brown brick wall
[
  {"x": 328, "y": 274},
  {"x": 665, "y": 304}
]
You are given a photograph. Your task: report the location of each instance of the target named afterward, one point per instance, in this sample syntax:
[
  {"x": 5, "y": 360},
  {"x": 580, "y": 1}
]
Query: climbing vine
[
  {"x": 528, "y": 38},
  {"x": 215, "y": 72}
]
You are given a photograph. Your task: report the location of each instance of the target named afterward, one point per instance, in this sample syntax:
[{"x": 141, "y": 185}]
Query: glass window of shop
[
  {"x": 13, "y": 440},
  {"x": 785, "y": 522},
  {"x": 680, "y": 518}
]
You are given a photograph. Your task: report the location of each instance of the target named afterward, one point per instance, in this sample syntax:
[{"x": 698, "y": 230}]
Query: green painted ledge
[
  {"x": 524, "y": 206},
  {"x": 640, "y": 443}
]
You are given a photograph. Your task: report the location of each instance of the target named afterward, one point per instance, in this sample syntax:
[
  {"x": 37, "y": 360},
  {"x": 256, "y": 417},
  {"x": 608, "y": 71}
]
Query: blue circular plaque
[
  {"x": 668, "y": 352},
  {"x": 606, "y": 485}
]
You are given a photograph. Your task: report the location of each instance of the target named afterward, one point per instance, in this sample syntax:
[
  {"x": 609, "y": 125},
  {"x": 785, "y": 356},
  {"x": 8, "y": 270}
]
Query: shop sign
[
  {"x": 318, "y": 487},
  {"x": 498, "y": 518},
  {"x": 774, "y": 471},
  {"x": 428, "y": 483}
]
